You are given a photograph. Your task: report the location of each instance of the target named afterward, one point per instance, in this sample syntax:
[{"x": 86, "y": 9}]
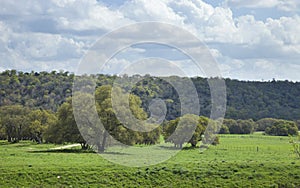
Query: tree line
[
  {"x": 22, "y": 123},
  {"x": 271, "y": 126},
  {"x": 245, "y": 99},
  {"x": 38, "y": 106}
]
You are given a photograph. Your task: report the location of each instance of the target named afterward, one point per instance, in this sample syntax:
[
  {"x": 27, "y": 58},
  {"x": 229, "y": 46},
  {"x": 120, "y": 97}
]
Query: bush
[
  {"x": 283, "y": 128},
  {"x": 224, "y": 130}
]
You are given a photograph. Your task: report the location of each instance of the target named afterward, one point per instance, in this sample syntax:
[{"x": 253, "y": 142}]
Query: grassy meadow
[{"x": 238, "y": 161}]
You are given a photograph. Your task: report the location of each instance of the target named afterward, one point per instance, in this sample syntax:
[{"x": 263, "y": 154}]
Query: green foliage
[
  {"x": 296, "y": 146},
  {"x": 224, "y": 130},
  {"x": 14, "y": 121},
  {"x": 176, "y": 131},
  {"x": 120, "y": 118},
  {"x": 245, "y": 100},
  {"x": 100, "y": 135},
  {"x": 65, "y": 129},
  {"x": 40, "y": 120},
  {"x": 20, "y": 123},
  {"x": 240, "y": 126},
  {"x": 264, "y": 123},
  {"x": 247, "y": 126},
  {"x": 283, "y": 128},
  {"x": 35, "y": 90}
]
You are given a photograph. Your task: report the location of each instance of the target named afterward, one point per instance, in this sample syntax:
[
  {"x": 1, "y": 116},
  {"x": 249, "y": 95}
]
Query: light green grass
[{"x": 234, "y": 163}]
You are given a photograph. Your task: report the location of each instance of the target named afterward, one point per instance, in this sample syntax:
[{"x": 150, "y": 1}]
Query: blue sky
[{"x": 250, "y": 40}]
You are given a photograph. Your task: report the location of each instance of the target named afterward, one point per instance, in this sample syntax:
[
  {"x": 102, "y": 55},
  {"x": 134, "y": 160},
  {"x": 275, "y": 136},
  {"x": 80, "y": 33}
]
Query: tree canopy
[{"x": 245, "y": 100}]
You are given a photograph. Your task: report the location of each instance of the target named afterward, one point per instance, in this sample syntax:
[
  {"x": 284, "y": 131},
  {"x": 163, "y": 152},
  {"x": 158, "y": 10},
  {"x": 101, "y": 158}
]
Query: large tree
[
  {"x": 39, "y": 121},
  {"x": 187, "y": 129},
  {"x": 65, "y": 129},
  {"x": 124, "y": 118},
  {"x": 14, "y": 121},
  {"x": 119, "y": 119}
]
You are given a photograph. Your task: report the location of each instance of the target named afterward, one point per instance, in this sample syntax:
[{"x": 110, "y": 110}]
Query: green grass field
[{"x": 239, "y": 161}]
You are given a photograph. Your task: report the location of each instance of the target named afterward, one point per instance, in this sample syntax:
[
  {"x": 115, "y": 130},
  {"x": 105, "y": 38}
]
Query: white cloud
[
  {"x": 39, "y": 46},
  {"x": 144, "y": 10},
  {"x": 89, "y": 15},
  {"x": 47, "y": 34},
  {"x": 265, "y": 65},
  {"x": 220, "y": 26},
  {"x": 254, "y": 3},
  {"x": 215, "y": 53},
  {"x": 284, "y": 5},
  {"x": 285, "y": 29}
]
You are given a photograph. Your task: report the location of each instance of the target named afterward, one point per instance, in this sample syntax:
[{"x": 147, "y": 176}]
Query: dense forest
[{"x": 245, "y": 99}]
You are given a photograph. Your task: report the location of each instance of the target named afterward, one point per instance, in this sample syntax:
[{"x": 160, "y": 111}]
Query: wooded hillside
[{"x": 245, "y": 99}]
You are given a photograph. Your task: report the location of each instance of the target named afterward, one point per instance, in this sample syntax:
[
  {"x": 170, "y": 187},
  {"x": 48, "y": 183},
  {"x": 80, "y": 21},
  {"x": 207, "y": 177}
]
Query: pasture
[{"x": 238, "y": 161}]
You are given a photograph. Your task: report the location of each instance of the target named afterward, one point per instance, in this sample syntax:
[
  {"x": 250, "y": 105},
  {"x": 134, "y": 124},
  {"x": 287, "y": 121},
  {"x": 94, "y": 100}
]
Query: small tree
[{"x": 296, "y": 146}]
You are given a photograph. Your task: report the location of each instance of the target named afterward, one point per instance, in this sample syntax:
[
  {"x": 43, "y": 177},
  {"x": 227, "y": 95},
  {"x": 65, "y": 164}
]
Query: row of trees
[
  {"x": 20, "y": 123},
  {"x": 245, "y": 100},
  {"x": 53, "y": 120},
  {"x": 231, "y": 126},
  {"x": 270, "y": 126}
]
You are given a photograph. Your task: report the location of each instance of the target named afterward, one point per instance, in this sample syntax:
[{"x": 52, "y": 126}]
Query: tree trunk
[
  {"x": 84, "y": 146},
  {"x": 102, "y": 145},
  {"x": 9, "y": 133}
]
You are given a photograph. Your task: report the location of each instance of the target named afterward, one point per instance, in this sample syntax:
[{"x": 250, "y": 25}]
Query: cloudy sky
[{"x": 250, "y": 40}]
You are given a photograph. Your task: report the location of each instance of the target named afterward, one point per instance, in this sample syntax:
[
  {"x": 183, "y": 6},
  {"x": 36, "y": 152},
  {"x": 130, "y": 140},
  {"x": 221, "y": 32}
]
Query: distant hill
[{"x": 245, "y": 99}]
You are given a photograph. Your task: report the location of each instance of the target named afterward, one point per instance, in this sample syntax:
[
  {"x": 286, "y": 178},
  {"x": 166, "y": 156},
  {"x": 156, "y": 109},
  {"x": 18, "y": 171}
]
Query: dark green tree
[
  {"x": 14, "y": 121},
  {"x": 283, "y": 128},
  {"x": 177, "y": 131},
  {"x": 65, "y": 129},
  {"x": 39, "y": 121}
]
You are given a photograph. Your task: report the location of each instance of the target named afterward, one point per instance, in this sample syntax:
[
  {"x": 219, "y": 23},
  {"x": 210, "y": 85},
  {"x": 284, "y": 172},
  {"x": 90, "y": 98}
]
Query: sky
[{"x": 250, "y": 40}]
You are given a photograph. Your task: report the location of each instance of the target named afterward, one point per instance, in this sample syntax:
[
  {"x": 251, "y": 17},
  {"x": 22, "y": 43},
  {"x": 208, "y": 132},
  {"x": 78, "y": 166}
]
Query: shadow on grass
[
  {"x": 62, "y": 151},
  {"x": 190, "y": 148},
  {"x": 114, "y": 153},
  {"x": 174, "y": 148},
  {"x": 75, "y": 151},
  {"x": 169, "y": 147},
  {"x": 22, "y": 145},
  {"x": 4, "y": 143},
  {"x": 17, "y": 144}
]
